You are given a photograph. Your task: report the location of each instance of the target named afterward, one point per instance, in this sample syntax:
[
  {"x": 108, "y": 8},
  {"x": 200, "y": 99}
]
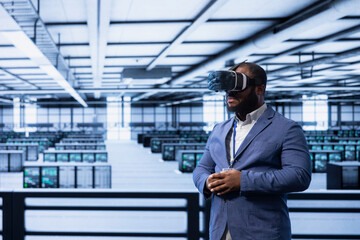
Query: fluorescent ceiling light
[{"x": 22, "y": 42}]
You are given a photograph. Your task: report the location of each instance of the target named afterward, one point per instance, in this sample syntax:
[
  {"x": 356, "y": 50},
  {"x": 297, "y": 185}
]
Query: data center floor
[{"x": 136, "y": 168}]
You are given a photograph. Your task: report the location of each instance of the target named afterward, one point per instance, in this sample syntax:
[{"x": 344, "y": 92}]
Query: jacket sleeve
[
  {"x": 205, "y": 167},
  {"x": 295, "y": 172}
]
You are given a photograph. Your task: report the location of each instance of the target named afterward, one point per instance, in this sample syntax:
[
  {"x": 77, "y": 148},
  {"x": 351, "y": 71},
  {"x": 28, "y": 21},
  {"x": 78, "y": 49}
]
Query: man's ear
[{"x": 260, "y": 89}]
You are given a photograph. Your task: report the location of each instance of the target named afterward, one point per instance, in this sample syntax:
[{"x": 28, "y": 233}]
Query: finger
[
  {"x": 215, "y": 183},
  {"x": 226, "y": 190},
  {"x": 212, "y": 177},
  {"x": 210, "y": 181},
  {"x": 218, "y": 175},
  {"x": 219, "y": 188}
]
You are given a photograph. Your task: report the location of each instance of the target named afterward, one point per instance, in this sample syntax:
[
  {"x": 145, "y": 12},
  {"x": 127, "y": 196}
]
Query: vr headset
[{"x": 230, "y": 81}]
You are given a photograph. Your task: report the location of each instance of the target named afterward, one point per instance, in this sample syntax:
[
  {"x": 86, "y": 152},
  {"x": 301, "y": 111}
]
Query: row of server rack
[
  {"x": 336, "y": 153},
  {"x": 67, "y": 176},
  {"x": 328, "y": 151},
  {"x": 58, "y": 160},
  {"x": 185, "y": 147}
]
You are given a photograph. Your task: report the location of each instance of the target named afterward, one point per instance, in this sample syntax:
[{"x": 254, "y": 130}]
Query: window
[
  {"x": 315, "y": 112},
  {"x": 213, "y": 110},
  {"x": 118, "y": 118},
  {"x": 24, "y": 115},
  {"x": 17, "y": 115}
]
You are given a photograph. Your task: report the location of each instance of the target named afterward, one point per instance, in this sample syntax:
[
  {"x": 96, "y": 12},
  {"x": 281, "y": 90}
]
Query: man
[{"x": 250, "y": 162}]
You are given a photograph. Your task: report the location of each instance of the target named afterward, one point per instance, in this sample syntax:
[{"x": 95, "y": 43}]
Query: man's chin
[
  {"x": 238, "y": 108},
  {"x": 231, "y": 109}
]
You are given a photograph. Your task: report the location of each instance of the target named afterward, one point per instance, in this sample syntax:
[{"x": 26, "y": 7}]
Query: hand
[{"x": 224, "y": 182}]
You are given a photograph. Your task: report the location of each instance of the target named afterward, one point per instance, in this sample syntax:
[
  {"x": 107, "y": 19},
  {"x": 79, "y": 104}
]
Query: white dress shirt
[{"x": 242, "y": 130}]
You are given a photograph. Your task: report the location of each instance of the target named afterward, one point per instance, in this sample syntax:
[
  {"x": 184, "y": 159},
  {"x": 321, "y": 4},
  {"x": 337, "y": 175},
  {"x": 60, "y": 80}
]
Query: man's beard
[{"x": 249, "y": 104}]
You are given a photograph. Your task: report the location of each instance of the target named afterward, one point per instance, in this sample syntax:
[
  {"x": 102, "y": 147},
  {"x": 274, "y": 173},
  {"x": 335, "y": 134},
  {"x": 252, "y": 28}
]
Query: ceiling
[{"x": 163, "y": 49}]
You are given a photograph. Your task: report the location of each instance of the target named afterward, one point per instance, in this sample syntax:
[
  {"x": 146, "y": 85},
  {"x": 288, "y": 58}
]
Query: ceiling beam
[
  {"x": 144, "y": 95},
  {"x": 173, "y": 90},
  {"x": 323, "y": 60},
  {"x": 14, "y": 59},
  {"x": 98, "y": 23},
  {"x": 201, "y": 18},
  {"x": 147, "y": 43},
  {"x": 18, "y": 78},
  {"x": 123, "y": 66},
  {"x": 321, "y": 13},
  {"x": 330, "y": 38},
  {"x": 43, "y": 54},
  {"x": 180, "y": 21},
  {"x": 6, "y": 45},
  {"x": 195, "y": 99},
  {"x": 204, "y": 15},
  {"x": 5, "y": 100},
  {"x": 142, "y": 56},
  {"x": 53, "y": 24}
]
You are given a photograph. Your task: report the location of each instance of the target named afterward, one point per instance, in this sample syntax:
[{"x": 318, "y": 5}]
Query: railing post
[
  {"x": 193, "y": 217},
  {"x": 207, "y": 208},
  {"x": 7, "y": 215},
  {"x": 18, "y": 216}
]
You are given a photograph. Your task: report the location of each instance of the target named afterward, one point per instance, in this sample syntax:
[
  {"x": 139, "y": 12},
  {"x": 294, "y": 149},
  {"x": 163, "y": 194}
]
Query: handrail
[
  {"x": 14, "y": 208},
  {"x": 337, "y": 195}
]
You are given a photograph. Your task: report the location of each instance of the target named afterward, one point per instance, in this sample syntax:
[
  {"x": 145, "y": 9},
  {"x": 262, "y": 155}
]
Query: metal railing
[
  {"x": 14, "y": 207},
  {"x": 333, "y": 196}
]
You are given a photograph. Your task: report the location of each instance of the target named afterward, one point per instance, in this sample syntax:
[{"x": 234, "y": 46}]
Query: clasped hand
[{"x": 224, "y": 182}]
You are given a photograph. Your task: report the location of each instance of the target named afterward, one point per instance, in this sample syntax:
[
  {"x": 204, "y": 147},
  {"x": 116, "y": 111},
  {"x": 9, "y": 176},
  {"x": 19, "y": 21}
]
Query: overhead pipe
[
  {"x": 324, "y": 60},
  {"x": 332, "y": 10}
]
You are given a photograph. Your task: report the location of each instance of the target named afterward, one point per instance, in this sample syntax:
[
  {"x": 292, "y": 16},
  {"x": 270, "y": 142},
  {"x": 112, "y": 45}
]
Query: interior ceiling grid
[{"x": 140, "y": 30}]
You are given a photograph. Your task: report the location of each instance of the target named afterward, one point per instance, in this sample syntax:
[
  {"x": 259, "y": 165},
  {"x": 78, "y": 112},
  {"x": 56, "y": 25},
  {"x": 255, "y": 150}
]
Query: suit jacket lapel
[
  {"x": 226, "y": 137},
  {"x": 264, "y": 120}
]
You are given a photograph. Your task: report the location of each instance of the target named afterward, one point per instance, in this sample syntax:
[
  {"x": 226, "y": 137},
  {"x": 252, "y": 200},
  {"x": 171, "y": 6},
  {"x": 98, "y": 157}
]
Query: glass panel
[
  {"x": 119, "y": 202},
  {"x": 213, "y": 110},
  {"x": 315, "y": 109},
  {"x": 98, "y": 238},
  {"x": 325, "y": 223},
  {"x": 1, "y": 219},
  {"x": 324, "y": 203},
  {"x": 118, "y": 124},
  {"x": 106, "y": 221}
]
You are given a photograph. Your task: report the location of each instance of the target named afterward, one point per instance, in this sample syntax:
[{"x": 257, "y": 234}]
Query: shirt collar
[{"x": 254, "y": 115}]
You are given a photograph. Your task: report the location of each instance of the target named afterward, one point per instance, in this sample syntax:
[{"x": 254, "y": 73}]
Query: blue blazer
[{"x": 274, "y": 160}]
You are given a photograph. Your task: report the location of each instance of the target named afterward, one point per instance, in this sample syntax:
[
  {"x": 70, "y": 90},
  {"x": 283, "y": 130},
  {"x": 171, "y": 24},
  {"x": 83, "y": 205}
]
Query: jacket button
[{"x": 224, "y": 200}]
